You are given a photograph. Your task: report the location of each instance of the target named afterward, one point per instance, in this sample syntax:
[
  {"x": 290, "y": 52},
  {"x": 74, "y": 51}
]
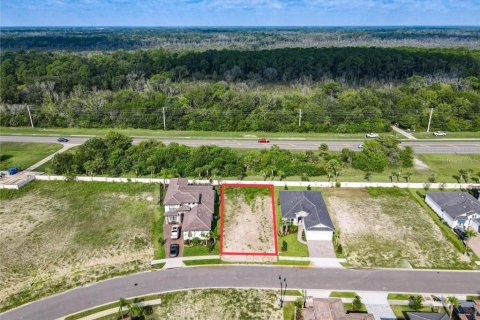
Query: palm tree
[
  {"x": 407, "y": 176},
  {"x": 453, "y": 302},
  {"x": 122, "y": 303},
  {"x": 397, "y": 175},
  {"x": 368, "y": 176},
  {"x": 470, "y": 233},
  {"x": 432, "y": 178},
  {"x": 135, "y": 311}
]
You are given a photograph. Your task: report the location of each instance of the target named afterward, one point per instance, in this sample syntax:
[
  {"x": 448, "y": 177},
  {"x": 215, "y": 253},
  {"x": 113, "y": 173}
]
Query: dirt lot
[
  {"x": 56, "y": 235},
  {"x": 389, "y": 229},
  {"x": 217, "y": 304},
  {"x": 248, "y": 220}
]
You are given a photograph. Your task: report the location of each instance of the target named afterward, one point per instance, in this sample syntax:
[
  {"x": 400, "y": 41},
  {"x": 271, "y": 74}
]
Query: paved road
[
  {"x": 418, "y": 146},
  {"x": 247, "y": 276}
]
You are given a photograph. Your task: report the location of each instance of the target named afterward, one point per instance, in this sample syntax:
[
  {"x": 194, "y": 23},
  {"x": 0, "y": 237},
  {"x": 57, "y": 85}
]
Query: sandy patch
[{"x": 248, "y": 228}]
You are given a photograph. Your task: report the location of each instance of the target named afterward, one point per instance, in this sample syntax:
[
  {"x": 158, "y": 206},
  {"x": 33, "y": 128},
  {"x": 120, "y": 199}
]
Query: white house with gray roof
[
  {"x": 307, "y": 208},
  {"x": 458, "y": 209},
  {"x": 192, "y": 206}
]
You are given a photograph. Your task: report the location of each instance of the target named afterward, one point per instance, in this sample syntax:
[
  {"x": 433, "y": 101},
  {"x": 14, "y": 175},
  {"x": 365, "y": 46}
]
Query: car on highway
[
  {"x": 61, "y": 139},
  {"x": 174, "y": 250},
  {"x": 175, "y": 232},
  {"x": 263, "y": 140},
  {"x": 372, "y": 135},
  {"x": 439, "y": 134},
  {"x": 360, "y": 146}
]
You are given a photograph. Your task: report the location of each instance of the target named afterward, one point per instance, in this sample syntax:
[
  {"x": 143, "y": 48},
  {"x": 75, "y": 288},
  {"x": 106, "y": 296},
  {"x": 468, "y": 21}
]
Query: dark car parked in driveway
[
  {"x": 460, "y": 233},
  {"x": 174, "y": 250}
]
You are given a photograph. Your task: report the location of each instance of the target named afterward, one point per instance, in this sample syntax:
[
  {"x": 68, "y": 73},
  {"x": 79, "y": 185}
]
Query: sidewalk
[
  {"x": 378, "y": 305},
  {"x": 404, "y": 133},
  {"x": 39, "y": 163},
  {"x": 178, "y": 262}
]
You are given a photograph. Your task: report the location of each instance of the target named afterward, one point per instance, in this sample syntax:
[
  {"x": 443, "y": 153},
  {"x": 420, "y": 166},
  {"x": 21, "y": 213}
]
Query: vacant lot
[
  {"x": 23, "y": 155},
  {"x": 387, "y": 228},
  {"x": 248, "y": 220},
  {"x": 446, "y": 166},
  {"x": 56, "y": 235}
]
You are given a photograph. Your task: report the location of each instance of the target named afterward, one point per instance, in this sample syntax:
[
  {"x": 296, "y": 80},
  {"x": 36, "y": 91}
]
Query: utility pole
[
  {"x": 430, "y": 119},
  {"x": 30, "y": 116},
  {"x": 164, "y": 123},
  {"x": 300, "y": 117}
]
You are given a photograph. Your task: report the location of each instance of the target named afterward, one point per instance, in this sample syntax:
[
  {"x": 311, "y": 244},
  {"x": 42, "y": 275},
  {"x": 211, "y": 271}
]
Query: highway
[
  {"x": 438, "y": 282},
  {"x": 291, "y": 144}
]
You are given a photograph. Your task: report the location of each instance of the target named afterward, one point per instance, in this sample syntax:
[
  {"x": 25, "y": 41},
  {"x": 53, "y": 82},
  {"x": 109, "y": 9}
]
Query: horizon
[{"x": 239, "y": 13}]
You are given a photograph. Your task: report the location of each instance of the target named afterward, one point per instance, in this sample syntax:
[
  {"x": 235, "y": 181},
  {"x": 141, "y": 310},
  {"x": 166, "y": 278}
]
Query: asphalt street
[
  {"x": 418, "y": 146},
  {"x": 439, "y": 282}
]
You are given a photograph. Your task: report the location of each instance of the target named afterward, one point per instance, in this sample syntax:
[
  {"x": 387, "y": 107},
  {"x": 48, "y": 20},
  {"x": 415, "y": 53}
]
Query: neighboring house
[
  {"x": 458, "y": 209},
  {"x": 427, "y": 316},
  {"x": 468, "y": 310},
  {"x": 307, "y": 208},
  {"x": 192, "y": 206},
  {"x": 330, "y": 309}
]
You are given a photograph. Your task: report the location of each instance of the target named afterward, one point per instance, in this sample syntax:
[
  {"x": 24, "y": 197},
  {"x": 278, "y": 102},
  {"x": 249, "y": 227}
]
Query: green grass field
[
  {"x": 177, "y": 134},
  {"x": 448, "y": 165},
  {"x": 59, "y": 235},
  {"x": 342, "y": 294},
  {"x": 23, "y": 155}
]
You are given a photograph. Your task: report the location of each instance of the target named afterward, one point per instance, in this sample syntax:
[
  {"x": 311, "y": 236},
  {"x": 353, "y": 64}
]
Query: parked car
[
  {"x": 174, "y": 250},
  {"x": 439, "y": 133},
  {"x": 175, "y": 232},
  {"x": 372, "y": 135},
  {"x": 263, "y": 140},
  {"x": 12, "y": 171},
  {"x": 360, "y": 146},
  {"x": 460, "y": 233},
  {"x": 61, "y": 139}
]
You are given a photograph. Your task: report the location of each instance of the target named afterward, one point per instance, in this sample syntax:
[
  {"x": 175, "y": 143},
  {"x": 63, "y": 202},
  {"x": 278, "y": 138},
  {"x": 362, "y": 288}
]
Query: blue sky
[{"x": 238, "y": 12}]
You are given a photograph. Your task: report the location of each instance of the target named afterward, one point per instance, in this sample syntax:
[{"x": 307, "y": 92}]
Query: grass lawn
[
  {"x": 177, "y": 134},
  {"x": 201, "y": 250},
  {"x": 288, "y": 310},
  {"x": 399, "y": 296},
  {"x": 457, "y": 135},
  {"x": 342, "y": 294},
  {"x": 295, "y": 248},
  {"x": 389, "y": 228},
  {"x": 59, "y": 235},
  {"x": 447, "y": 165},
  {"x": 23, "y": 155},
  {"x": 349, "y": 307},
  {"x": 400, "y": 310},
  {"x": 203, "y": 262}
]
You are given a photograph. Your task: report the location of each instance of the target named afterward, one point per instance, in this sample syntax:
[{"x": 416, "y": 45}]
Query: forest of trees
[
  {"x": 115, "y": 155},
  {"x": 338, "y": 89},
  {"x": 128, "y": 38}
]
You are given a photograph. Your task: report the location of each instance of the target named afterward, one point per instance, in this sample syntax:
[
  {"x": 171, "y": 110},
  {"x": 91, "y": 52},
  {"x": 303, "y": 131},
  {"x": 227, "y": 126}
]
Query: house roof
[
  {"x": 427, "y": 316},
  {"x": 309, "y": 202},
  {"x": 456, "y": 204},
  {"x": 331, "y": 309},
  {"x": 199, "y": 217}
]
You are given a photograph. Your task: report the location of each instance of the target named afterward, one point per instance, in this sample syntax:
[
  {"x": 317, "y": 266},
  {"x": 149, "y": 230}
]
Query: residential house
[
  {"x": 458, "y": 209},
  {"x": 330, "y": 309},
  {"x": 427, "y": 316},
  {"x": 192, "y": 206},
  {"x": 468, "y": 310},
  {"x": 307, "y": 208}
]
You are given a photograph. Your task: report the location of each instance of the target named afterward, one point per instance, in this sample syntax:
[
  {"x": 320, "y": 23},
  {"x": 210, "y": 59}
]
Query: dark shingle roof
[
  {"x": 456, "y": 203},
  {"x": 310, "y": 202},
  {"x": 427, "y": 316}
]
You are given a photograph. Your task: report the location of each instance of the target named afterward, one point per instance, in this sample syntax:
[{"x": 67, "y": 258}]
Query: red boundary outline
[{"x": 274, "y": 216}]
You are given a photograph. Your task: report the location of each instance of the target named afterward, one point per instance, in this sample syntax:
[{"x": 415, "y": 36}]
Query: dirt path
[{"x": 420, "y": 165}]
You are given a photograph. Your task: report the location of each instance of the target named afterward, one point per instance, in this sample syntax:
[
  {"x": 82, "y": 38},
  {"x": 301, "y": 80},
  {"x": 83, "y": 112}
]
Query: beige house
[
  {"x": 191, "y": 206},
  {"x": 330, "y": 309}
]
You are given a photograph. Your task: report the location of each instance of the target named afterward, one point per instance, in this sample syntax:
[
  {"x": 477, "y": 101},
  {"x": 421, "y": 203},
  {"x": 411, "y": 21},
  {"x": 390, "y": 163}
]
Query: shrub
[
  {"x": 284, "y": 246},
  {"x": 304, "y": 236},
  {"x": 357, "y": 303}
]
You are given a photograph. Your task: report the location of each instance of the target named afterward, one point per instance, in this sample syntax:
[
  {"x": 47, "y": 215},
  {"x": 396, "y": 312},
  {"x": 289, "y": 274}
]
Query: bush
[
  {"x": 284, "y": 246},
  {"x": 304, "y": 236}
]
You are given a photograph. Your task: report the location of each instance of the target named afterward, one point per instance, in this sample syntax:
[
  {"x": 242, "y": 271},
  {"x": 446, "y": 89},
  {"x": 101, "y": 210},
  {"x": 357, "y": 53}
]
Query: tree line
[
  {"x": 222, "y": 106},
  {"x": 115, "y": 155}
]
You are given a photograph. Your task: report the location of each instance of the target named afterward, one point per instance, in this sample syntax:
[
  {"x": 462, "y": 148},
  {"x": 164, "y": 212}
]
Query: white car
[
  {"x": 439, "y": 133},
  {"x": 372, "y": 135},
  {"x": 175, "y": 233},
  {"x": 360, "y": 146}
]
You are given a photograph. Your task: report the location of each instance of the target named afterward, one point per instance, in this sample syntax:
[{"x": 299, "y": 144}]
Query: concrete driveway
[
  {"x": 321, "y": 249},
  {"x": 474, "y": 243}
]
